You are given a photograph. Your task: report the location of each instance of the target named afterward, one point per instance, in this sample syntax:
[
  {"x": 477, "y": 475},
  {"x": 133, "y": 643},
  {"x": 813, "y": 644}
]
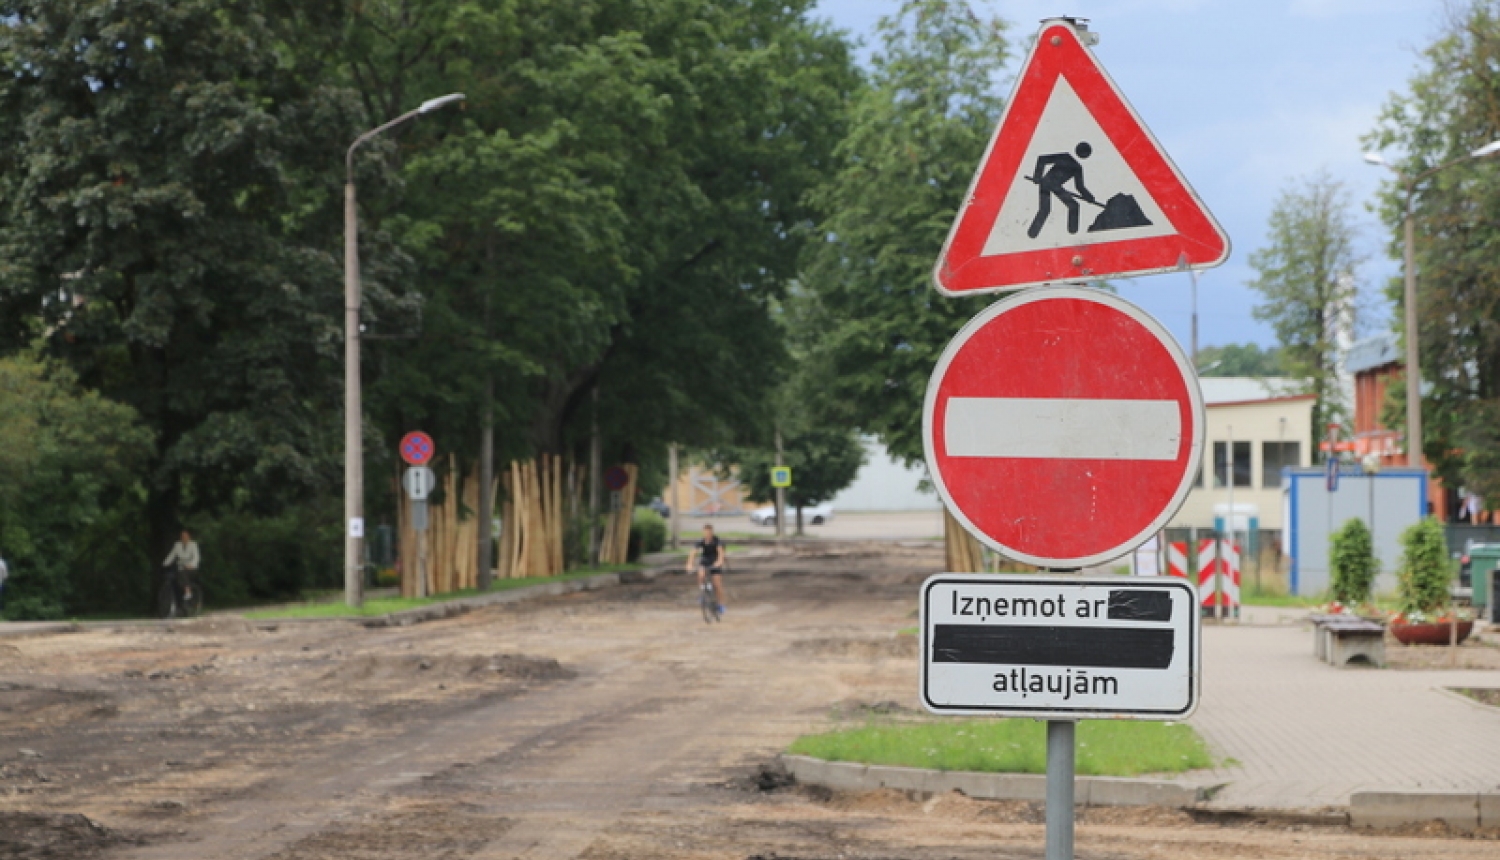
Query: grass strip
[
  {"x": 1105, "y": 747},
  {"x": 387, "y": 605}
]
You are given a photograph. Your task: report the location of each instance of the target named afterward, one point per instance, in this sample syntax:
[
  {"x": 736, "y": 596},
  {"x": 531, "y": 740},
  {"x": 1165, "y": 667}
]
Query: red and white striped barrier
[
  {"x": 1177, "y": 559},
  {"x": 1223, "y": 558}
]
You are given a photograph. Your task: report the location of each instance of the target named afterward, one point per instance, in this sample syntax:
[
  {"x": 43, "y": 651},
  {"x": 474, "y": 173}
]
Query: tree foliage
[
  {"x": 626, "y": 200},
  {"x": 916, "y": 133},
  {"x": 170, "y": 196},
  {"x": 1352, "y": 559},
  {"x": 616, "y": 209},
  {"x": 1426, "y": 570},
  {"x": 1307, "y": 275},
  {"x": 69, "y": 460},
  {"x": 1451, "y": 107},
  {"x": 1239, "y": 359}
]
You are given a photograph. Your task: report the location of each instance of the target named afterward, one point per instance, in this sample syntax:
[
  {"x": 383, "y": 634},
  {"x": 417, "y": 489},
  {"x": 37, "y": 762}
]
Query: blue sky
[{"x": 1245, "y": 97}]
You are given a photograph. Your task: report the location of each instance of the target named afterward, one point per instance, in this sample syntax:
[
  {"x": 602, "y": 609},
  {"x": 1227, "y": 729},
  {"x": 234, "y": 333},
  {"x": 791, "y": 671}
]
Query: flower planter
[{"x": 1429, "y": 634}]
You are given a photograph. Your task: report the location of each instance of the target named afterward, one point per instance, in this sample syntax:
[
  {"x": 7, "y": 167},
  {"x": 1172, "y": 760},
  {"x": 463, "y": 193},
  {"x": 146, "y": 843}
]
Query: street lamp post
[
  {"x": 1413, "y": 368},
  {"x": 354, "y": 469}
]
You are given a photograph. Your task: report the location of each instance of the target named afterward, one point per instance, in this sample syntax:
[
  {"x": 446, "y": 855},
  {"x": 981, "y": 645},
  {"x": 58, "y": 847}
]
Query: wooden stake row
[
  {"x": 531, "y": 540},
  {"x": 615, "y": 546},
  {"x": 963, "y": 553},
  {"x": 452, "y": 563}
]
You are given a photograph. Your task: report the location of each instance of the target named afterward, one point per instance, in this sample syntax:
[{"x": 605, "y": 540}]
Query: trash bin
[
  {"x": 1494, "y": 598},
  {"x": 1483, "y": 557}
]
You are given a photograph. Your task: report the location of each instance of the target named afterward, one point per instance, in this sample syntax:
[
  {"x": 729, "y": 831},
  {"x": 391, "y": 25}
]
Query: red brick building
[{"x": 1376, "y": 362}]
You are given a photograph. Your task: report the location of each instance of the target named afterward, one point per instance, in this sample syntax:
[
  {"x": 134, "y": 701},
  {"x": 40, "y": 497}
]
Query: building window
[
  {"x": 1241, "y": 464},
  {"x": 1273, "y": 457}
]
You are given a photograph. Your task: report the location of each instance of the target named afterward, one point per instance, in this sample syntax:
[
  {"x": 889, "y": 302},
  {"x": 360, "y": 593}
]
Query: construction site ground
[{"x": 604, "y": 724}]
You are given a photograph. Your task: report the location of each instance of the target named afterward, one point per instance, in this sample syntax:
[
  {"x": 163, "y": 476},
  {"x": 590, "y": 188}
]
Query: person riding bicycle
[
  {"x": 182, "y": 562},
  {"x": 710, "y": 557}
]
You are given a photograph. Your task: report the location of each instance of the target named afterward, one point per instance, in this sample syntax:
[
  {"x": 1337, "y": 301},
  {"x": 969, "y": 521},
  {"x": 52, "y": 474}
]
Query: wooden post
[
  {"x": 484, "y": 548},
  {"x": 672, "y": 496}
]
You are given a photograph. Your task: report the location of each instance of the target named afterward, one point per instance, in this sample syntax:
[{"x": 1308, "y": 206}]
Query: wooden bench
[{"x": 1340, "y": 639}]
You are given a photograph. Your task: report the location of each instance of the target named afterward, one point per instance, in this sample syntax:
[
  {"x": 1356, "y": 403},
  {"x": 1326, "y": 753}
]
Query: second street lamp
[
  {"x": 354, "y": 465},
  {"x": 1409, "y": 293}
]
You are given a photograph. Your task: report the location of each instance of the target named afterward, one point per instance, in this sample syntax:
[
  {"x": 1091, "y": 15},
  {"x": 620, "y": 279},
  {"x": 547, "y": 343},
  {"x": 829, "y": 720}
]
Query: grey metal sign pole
[
  {"x": 1061, "y": 735},
  {"x": 1062, "y": 748}
]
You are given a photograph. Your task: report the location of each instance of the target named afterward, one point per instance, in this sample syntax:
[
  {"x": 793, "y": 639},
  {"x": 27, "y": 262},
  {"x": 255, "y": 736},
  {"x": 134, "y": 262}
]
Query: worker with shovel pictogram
[{"x": 1054, "y": 171}]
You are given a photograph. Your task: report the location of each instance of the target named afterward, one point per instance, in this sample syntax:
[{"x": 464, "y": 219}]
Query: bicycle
[
  {"x": 172, "y": 604},
  {"x": 708, "y": 602}
]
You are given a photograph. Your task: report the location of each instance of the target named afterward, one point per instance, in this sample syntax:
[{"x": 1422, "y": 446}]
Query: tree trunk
[{"x": 594, "y": 483}]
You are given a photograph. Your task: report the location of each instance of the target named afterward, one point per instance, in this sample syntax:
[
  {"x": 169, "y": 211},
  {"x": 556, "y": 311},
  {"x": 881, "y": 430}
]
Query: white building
[
  {"x": 1255, "y": 428},
  {"x": 886, "y": 485}
]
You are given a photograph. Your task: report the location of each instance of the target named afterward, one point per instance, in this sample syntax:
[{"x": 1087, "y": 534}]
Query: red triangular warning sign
[{"x": 1073, "y": 187}]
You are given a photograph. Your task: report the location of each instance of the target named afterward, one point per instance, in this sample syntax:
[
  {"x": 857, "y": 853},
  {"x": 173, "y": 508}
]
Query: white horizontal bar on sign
[{"x": 1054, "y": 429}]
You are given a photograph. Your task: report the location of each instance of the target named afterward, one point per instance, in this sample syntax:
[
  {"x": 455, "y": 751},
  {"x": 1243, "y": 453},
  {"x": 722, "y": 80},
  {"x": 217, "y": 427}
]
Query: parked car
[
  {"x": 811, "y": 515},
  {"x": 660, "y": 507}
]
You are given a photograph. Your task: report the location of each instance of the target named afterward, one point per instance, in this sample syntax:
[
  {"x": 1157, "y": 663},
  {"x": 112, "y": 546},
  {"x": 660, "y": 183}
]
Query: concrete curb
[
  {"x": 1461, "y": 810},
  {"x": 1465, "y": 811},
  {"x": 1088, "y": 790},
  {"x": 406, "y": 618}
]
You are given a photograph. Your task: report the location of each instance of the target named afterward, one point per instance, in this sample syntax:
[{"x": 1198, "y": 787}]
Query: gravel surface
[{"x": 610, "y": 724}]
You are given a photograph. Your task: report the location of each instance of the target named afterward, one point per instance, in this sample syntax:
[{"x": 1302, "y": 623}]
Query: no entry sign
[
  {"x": 1063, "y": 426},
  {"x": 1060, "y": 648}
]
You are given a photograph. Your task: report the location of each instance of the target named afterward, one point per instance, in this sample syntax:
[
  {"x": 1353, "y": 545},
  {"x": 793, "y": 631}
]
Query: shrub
[
  {"x": 648, "y": 533},
  {"x": 1425, "y": 568},
  {"x": 1352, "y": 558}
]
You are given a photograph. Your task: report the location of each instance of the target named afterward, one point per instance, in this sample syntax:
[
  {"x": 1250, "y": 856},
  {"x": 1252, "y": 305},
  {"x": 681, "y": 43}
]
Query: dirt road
[{"x": 609, "y": 724}]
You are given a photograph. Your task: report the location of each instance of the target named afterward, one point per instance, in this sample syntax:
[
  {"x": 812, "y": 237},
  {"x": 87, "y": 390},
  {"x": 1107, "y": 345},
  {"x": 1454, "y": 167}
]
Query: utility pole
[
  {"x": 354, "y": 449},
  {"x": 672, "y": 494},
  {"x": 780, "y": 493},
  {"x": 1194, "y": 275}
]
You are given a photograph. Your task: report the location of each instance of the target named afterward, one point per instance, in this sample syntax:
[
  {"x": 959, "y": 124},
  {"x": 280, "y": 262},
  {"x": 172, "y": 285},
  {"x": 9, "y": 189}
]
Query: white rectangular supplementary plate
[
  {"x": 1060, "y": 647},
  {"x": 1058, "y": 429}
]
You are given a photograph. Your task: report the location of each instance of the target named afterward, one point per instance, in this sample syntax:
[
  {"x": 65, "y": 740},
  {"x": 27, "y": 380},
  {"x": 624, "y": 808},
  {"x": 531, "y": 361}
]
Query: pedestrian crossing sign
[
  {"x": 781, "y": 476},
  {"x": 1073, "y": 187}
]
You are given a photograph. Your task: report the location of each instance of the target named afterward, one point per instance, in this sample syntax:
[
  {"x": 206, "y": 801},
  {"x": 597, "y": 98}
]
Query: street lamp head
[
  {"x": 434, "y": 104},
  {"x": 1488, "y": 149},
  {"x": 1376, "y": 158}
]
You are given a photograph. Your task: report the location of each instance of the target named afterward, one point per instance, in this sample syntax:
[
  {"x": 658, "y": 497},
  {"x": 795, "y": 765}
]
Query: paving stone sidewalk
[{"x": 1308, "y": 735}]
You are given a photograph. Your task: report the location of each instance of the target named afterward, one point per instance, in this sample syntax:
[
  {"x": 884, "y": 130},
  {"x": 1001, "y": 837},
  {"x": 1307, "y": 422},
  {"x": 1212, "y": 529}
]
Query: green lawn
[
  {"x": 387, "y": 605},
  {"x": 1283, "y": 600},
  {"x": 1105, "y": 747}
]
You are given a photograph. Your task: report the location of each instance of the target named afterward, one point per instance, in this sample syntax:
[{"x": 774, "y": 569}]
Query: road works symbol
[
  {"x": 1060, "y": 648},
  {"x": 1066, "y": 121},
  {"x": 1063, "y": 427}
]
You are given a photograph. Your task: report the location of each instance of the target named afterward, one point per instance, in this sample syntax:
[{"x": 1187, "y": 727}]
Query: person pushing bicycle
[
  {"x": 182, "y": 565},
  {"x": 710, "y": 557}
]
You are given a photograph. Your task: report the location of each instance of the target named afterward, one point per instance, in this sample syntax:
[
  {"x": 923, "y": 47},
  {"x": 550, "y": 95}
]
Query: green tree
[
  {"x": 916, "y": 133},
  {"x": 1426, "y": 571},
  {"x": 1451, "y": 107},
  {"x": 1352, "y": 558},
  {"x": 170, "y": 191},
  {"x": 824, "y": 460},
  {"x": 1307, "y": 275},
  {"x": 68, "y": 463},
  {"x": 625, "y": 203},
  {"x": 1239, "y": 359}
]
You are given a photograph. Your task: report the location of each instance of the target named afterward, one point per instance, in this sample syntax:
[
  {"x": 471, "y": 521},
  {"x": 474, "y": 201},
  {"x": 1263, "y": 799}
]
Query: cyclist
[
  {"x": 710, "y": 557},
  {"x": 183, "y": 561}
]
